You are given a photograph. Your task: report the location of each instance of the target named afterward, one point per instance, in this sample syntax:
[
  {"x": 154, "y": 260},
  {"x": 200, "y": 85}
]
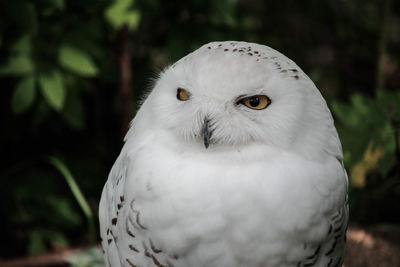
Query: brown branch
[
  {"x": 125, "y": 78},
  {"x": 42, "y": 260},
  {"x": 382, "y": 43}
]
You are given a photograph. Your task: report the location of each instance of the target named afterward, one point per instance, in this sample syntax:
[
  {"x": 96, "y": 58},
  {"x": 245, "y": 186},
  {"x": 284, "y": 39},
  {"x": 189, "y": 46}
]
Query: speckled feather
[{"x": 270, "y": 190}]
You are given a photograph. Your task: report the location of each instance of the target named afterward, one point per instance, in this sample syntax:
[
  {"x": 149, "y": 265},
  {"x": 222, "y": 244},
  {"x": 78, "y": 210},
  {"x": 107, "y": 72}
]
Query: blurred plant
[
  {"x": 124, "y": 19},
  {"x": 42, "y": 56},
  {"x": 41, "y": 215},
  {"x": 91, "y": 257},
  {"x": 369, "y": 129},
  {"x": 121, "y": 13},
  {"x": 51, "y": 55},
  {"x": 63, "y": 169}
]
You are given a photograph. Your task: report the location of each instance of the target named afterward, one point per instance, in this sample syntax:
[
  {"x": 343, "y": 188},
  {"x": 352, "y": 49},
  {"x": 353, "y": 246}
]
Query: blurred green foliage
[
  {"x": 92, "y": 257},
  {"x": 369, "y": 130},
  {"x": 369, "y": 124},
  {"x": 59, "y": 71}
]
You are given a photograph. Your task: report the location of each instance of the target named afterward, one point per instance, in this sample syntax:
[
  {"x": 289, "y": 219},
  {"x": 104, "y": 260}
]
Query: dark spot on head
[
  {"x": 240, "y": 50},
  {"x": 114, "y": 221},
  {"x": 122, "y": 198},
  {"x": 219, "y": 45},
  {"x": 234, "y": 50},
  {"x": 296, "y": 77},
  {"x": 209, "y": 47},
  {"x": 226, "y": 49},
  {"x": 108, "y": 231},
  {"x": 255, "y": 52},
  {"x": 250, "y": 54},
  {"x": 109, "y": 241},
  {"x": 283, "y": 71},
  {"x": 293, "y": 70},
  {"x": 119, "y": 206}
]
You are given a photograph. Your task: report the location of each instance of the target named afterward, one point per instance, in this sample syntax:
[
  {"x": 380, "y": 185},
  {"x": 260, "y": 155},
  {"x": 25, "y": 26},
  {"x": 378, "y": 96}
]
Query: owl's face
[{"x": 236, "y": 93}]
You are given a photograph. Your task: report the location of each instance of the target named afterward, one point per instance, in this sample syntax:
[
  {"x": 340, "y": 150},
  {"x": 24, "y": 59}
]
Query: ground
[{"x": 366, "y": 247}]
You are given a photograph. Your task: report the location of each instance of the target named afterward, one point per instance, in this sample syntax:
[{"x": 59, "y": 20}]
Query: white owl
[{"x": 232, "y": 160}]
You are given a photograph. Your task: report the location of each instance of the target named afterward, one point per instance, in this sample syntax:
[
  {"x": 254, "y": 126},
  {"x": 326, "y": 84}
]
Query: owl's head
[{"x": 232, "y": 94}]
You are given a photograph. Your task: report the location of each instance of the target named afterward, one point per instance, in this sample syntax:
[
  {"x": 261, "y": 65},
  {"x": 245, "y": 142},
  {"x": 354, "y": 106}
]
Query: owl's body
[{"x": 207, "y": 181}]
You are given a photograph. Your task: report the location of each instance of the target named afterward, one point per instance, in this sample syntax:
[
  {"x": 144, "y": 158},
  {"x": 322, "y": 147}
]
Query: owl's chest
[
  {"x": 209, "y": 192},
  {"x": 225, "y": 204}
]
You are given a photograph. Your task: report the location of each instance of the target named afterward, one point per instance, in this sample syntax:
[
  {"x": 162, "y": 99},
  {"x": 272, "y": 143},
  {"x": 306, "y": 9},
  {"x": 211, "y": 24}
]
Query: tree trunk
[{"x": 125, "y": 78}]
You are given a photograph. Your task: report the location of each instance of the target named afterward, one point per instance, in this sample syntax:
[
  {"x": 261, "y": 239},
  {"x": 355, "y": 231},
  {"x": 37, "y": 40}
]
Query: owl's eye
[
  {"x": 182, "y": 94},
  {"x": 257, "y": 102}
]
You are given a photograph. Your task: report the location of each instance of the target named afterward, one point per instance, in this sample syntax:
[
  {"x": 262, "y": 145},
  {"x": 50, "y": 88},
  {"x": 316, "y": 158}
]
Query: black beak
[{"x": 206, "y": 132}]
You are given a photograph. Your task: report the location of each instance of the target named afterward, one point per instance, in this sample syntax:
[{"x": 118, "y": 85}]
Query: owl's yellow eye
[
  {"x": 257, "y": 102},
  {"x": 182, "y": 94}
]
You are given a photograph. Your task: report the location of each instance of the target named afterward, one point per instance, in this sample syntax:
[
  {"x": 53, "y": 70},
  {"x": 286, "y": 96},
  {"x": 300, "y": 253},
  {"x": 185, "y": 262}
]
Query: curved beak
[{"x": 206, "y": 132}]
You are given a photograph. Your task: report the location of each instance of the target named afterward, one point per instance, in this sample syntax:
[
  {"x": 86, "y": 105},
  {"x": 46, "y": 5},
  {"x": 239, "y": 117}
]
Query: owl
[{"x": 232, "y": 160}]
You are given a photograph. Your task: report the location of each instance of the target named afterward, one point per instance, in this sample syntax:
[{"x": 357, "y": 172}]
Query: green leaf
[
  {"x": 386, "y": 162},
  {"x": 92, "y": 257},
  {"x": 56, "y": 237},
  {"x": 24, "y": 95},
  {"x": 53, "y": 89},
  {"x": 345, "y": 114},
  {"x": 121, "y": 13},
  {"x": 27, "y": 17},
  {"x": 65, "y": 213},
  {"x": 76, "y": 191},
  {"x": 36, "y": 242},
  {"x": 38, "y": 238},
  {"x": 361, "y": 104},
  {"x": 22, "y": 45},
  {"x": 52, "y": 6},
  {"x": 20, "y": 61},
  {"x": 18, "y": 64},
  {"x": 77, "y": 61},
  {"x": 73, "y": 112},
  {"x": 60, "y": 4}
]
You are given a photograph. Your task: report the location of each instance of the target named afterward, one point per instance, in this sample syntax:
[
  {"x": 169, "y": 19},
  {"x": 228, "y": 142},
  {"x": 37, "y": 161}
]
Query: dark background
[{"x": 71, "y": 74}]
